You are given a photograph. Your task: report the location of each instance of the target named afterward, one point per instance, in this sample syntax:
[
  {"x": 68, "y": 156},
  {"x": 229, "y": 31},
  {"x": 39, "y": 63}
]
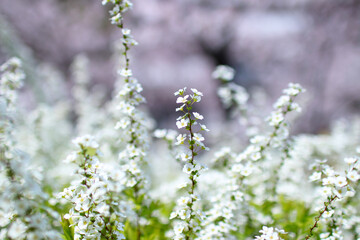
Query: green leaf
[{"x": 68, "y": 231}]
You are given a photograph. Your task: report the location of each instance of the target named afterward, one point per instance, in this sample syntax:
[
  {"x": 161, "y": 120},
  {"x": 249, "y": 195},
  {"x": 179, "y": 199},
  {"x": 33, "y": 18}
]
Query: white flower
[
  {"x": 184, "y": 157},
  {"x": 182, "y": 99},
  {"x": 315, "y": 176},
  {"x": 160, "y": 133},
  {"x": 329, "y": 171},
  {"x": 103, "y": 208},
  {"x": 125, "y": 72},
  {"x": 328, "y": 181},
  {"x": 183, "y": 201},
  {"x": 182, "y": 123},
  {"x": 276, "y": 118},
  {"x": 123, "y": 123},
  {"x": 237, "y": 167},
  {"x": 353, "y": 176},
  {"x": 328, "y": 214},
  {"x": 87, "y": 142},
  {"x": 71, "y": 158},
  {"x": 180, "y": 139},
  {"x": 104, "y": 2},
  {"x": 326, "y": 191},
  {"x": 198, "y": 116},
  {"x": 16, "y": 230},
  {"x": 188, "y": 168},
  {"x": 181, "y": 108},
  {"x": 180, "y": 91},
  {"x": 116, "y": 18},
  {"x": 270, "y": 234},
  {"x": 83, "y": 223},
  {"x": 126, "y": 31},
  {"x": 258, "y": 139},
  {"x": 255, "y": 156},
  {"x": 294, "y": 89},
  {"x": 197, "y": 95},
  {"x": 295, "y": 107},
  {"x": 324, "y": 235},
  {"x": 179, "y": 228},
  {"x": 203, "y": 127},
  {"x": 340, "y": 181},
  {"x": 133, "y": 167},
  {"x": 173, "y": 215},
  {"x": 282, "y": 101},
  {"x": 196, "y": 92},
  {"x": 198, "y": 137},
  {"x": 182, "y": 185},
  {"x": 246, "y": 171},
  {"x": 350, "y": 160}
]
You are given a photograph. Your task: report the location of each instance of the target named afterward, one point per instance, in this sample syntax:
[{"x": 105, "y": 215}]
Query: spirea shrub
[{"x": 108, "y": 174}]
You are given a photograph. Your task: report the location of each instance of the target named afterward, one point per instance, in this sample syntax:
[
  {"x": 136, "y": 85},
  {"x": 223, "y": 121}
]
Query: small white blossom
[
  {"x": 350, "y": 160},
  {"x": 198, "y": 137},
  {"x": 180, "y": 91},
  {"x": 180, "y": 139},
  {"x": 198, "y": 116},
  {"x": 353, "y": 175},
  {"x": 340, "y": 181},
  {"x": 182, "y": 123},
  {"x": 182, "y": 99},
  {"x": 125, "y": 72}
]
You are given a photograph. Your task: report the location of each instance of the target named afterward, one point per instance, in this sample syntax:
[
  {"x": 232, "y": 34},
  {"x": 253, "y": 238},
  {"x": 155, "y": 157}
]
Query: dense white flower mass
[
  {"x": 23, "y": 212},
  {"x": 336, "y": 190},
  {"x": 230, "y": 202},
  {"x": 97, "y": 210},
  {"x": 258, "y": 180}
]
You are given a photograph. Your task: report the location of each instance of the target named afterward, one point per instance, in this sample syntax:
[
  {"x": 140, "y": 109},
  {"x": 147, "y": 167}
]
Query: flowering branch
[
  {"x": 185, "y": 210},
  {"x": 317, "y": 219},
  {"x": 94, "y": 213},
  {"x": 335, "y": 187},
  {"x": 132, "y": 123}
]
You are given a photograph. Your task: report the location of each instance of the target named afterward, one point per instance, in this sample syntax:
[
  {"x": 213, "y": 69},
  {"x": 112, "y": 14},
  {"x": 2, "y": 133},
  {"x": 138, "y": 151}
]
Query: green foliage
[{"x": 68, "y": 231}]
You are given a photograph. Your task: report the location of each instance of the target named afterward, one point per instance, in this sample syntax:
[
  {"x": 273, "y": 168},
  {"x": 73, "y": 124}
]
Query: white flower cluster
[
  {"x": 230, "y": 93},
  {"x": 120, "y": 7},
  {"x": 229, "y": 201},
  {"x": 11, "y": 79},
  {"x": 23, "y": 211},
  {"x": 129, "y": 96},
  {"x": 259, "y": 143},
  {"x": 96, "y": 211},
  {"x": 270, "y": 233},
  {"x": 285, "y": 104},
  {"x": 335, "y": 195},
  {"x": 187, "y": 210},
  {"x": 219, "y": 219},
  {"x": 234, "y": 97},
  {"x": 334, "y": 183},
  {"x": 224, "y": 73}
]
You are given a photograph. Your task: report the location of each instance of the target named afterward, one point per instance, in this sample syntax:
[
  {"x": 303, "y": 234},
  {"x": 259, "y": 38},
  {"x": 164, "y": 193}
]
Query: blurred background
[{"x": 269, "y": 43}]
